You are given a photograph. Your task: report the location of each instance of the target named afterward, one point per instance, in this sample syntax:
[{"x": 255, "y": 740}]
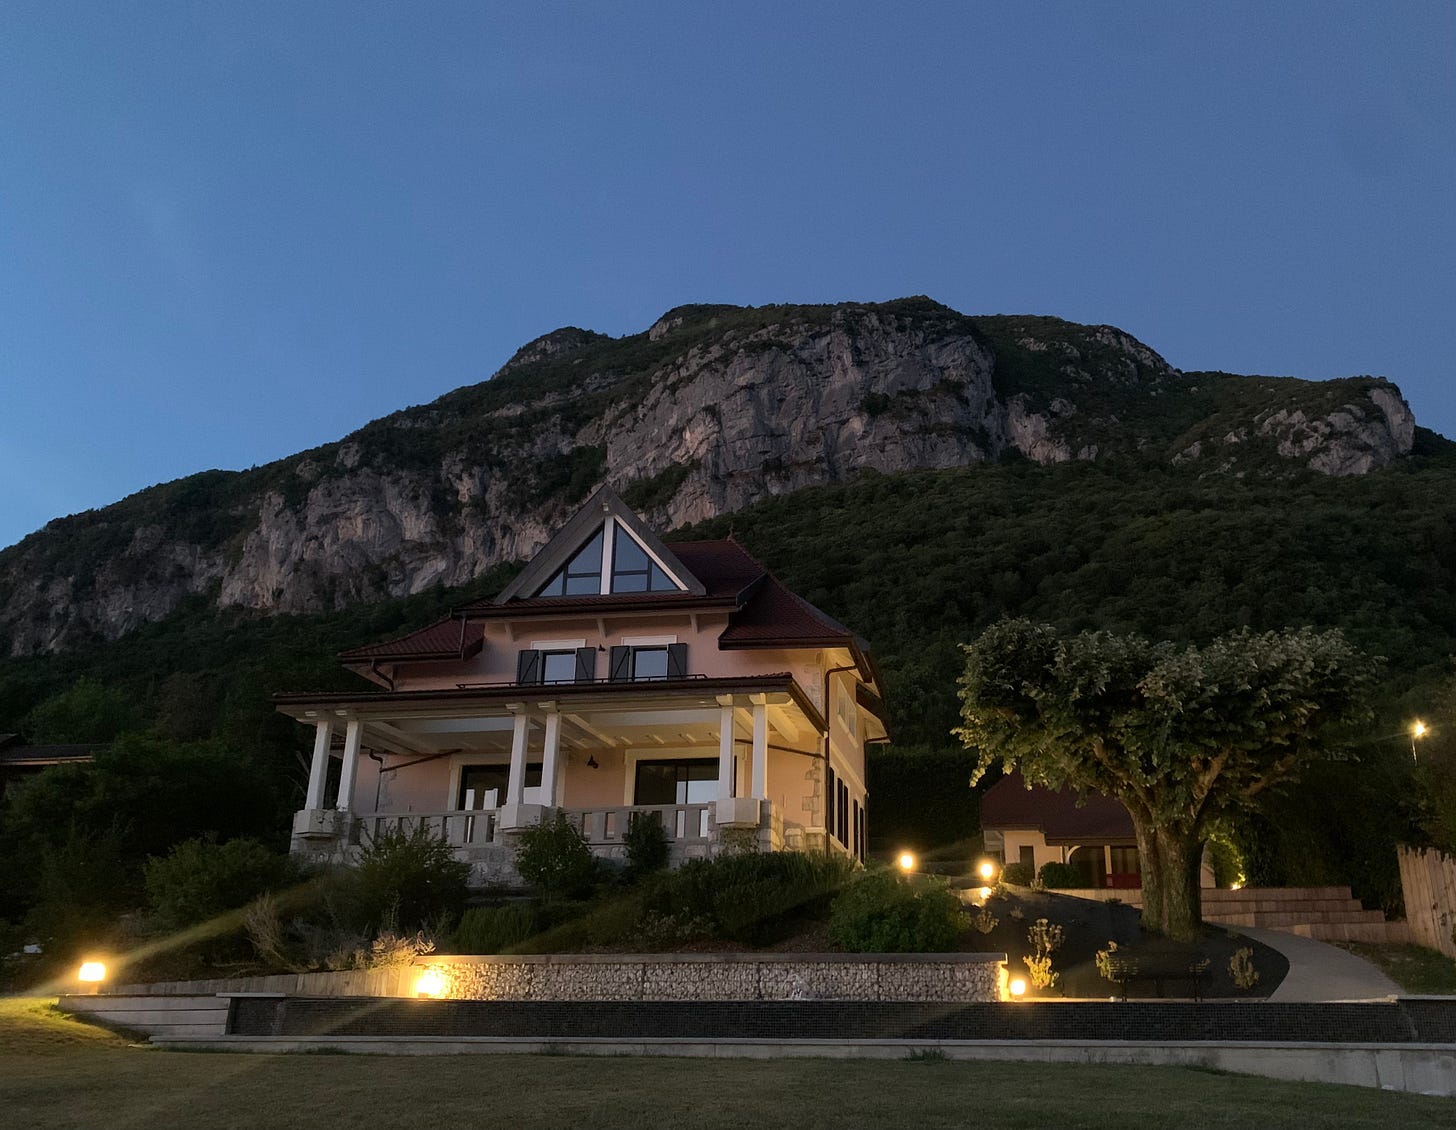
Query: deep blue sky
[{"x": 229, "y": 232}]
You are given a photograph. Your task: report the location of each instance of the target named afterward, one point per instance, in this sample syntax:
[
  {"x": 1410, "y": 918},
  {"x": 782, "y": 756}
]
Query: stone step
[
  {"x": 1300, "y": 906},
  {"x": 1379, "y": 933},
  {"x": 1281, "y": 919},
  {"x": 1217, "y": 894}
]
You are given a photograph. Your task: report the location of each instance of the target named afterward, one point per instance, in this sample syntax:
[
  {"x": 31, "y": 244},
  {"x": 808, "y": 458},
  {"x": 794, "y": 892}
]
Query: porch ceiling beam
[
  {"x": 591, "y": 731},
  {"x": 456, "y": 725},
  {"x": 784, "y": 722},
  {"x": 657, "y": 718},
  {"x": 392, "y": 738}
]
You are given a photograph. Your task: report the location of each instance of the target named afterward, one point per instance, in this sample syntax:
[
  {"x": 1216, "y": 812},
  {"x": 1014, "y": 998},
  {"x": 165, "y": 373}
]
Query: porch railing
[
  {"x": 461, "y": 829},
  {"x": 603, "y": 826}
]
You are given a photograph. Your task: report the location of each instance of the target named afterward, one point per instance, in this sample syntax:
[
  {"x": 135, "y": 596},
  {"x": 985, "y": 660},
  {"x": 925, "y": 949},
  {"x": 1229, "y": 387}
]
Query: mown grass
[
  {"x": 54, "y": 1075},
  {"x": 1416, "y": 969}
]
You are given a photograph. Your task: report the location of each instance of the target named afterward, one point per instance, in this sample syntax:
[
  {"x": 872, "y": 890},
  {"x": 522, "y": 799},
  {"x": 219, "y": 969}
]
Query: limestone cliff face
[{"x": 711, "y": 409}]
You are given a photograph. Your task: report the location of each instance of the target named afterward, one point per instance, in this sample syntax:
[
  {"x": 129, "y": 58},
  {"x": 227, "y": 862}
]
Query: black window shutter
[
  {"x": 586, "y": 664},
  {"x": 677, "y": 661},
  {"x": 528, "y": 667},
  {"x": 621, "y": 664}
]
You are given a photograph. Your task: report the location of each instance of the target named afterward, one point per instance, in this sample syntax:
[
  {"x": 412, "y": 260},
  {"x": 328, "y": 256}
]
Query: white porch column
[
  {"x": 550, "y": 756},
  {"x": 318, "y": 770},
  {"x": 353, "y": 731},
  {"x": 516, "y": 781},
  {"x": 725, "y": 752},
  {"x": 760, "y": 747}
]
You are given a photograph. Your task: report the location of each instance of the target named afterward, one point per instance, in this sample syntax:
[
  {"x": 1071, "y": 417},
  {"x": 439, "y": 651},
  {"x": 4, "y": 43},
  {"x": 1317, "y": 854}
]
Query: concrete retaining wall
[{"x": 190, "y": 1015}]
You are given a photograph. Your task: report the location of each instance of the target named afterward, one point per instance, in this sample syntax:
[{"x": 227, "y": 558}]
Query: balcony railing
[{"x": 462, "y": 829}]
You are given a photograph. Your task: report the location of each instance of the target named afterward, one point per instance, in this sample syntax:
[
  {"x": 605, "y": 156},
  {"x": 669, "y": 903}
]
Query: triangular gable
[{"x": 583, "y": 527}]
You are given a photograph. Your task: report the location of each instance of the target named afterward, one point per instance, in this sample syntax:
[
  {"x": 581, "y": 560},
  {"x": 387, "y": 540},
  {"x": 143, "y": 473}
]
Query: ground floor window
[
  {"x": 676, "y": 782},
  {"x": 484, "y": 786}
]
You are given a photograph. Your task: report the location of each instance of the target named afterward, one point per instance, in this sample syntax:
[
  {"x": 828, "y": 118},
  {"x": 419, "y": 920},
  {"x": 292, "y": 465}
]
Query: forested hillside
[{"x": 919, "y": 563}]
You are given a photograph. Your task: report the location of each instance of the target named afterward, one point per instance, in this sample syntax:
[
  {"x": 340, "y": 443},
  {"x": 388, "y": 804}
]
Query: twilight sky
[{"x": 229, "y": 232}]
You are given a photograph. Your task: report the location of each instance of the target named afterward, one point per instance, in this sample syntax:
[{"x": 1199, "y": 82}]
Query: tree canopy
[{"x": 1182, "y": 736}]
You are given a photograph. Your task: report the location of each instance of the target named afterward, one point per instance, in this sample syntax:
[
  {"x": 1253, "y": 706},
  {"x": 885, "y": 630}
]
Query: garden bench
[{"x": 1123, "y": 971}]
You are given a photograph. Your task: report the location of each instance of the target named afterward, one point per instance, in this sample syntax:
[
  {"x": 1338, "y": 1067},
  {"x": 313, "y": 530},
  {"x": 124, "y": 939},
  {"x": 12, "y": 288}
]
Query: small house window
[
  {"x": 657, "y": 661},
  {"x": 558, "y": 666}
]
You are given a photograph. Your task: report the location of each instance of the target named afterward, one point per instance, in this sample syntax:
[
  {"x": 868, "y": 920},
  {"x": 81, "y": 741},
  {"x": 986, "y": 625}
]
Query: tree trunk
[
  {"x": 1154, "y": 877},
  {"x": 1182, "y": 856},
  {"x": 1171, "y": 861}
]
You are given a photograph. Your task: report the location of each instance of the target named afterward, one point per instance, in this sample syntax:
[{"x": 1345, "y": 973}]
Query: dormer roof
[{"x": 603, "y": 510}]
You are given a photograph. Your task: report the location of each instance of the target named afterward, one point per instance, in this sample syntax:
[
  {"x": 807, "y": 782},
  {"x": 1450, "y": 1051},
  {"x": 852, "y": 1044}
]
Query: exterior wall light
[
  {"x": 906, "y": 861},
  {"x": 987, "y": 871},
  {"x": 431, "y": 985},
  {"x": 91, "y": 974},
  {"x": 1017, "y": 988}
]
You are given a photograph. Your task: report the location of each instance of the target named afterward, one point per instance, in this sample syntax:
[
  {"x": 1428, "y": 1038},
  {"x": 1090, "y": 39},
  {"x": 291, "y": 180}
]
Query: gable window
[
  {"x": 582, "y": 575},
  {"x": 633, "y": 570},
  {"x": 630, "y": 663}
]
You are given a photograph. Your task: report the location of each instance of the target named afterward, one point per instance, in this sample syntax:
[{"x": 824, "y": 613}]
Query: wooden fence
[{"x": 1428, "y": 878}]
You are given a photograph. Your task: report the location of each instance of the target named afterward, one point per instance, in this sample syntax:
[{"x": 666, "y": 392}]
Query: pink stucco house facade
[{"x": 615, "y": 676}]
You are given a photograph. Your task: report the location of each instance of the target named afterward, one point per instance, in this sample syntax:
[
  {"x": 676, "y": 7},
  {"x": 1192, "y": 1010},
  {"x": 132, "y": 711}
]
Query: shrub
[
  {"x": 498, "y": 929},
  {"x": 1241, "y": 968},
  {"x": 751, "y": 898},
  {"x": 82, "y": 884},
  {"x": 200, "y": 879},
  {"x": 1060, "y": 876},
  {"x": 405, "y": 881},
  {"x": 1018, "y": 874},
  {"x": 647, "y": 845},
  {"x": 881, "y": 912},
  {"x": 985, "y": 921},
  {"x": 555, "y": 857},
  {"x": 1045, "y": 939}
]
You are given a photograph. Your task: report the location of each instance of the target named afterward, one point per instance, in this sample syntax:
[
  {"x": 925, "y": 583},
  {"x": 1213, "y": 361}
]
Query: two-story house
[{"x": 615, "y": 676}]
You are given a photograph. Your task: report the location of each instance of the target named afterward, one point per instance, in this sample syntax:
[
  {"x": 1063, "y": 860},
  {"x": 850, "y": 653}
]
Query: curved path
[{"x": 1322, "y": 972}]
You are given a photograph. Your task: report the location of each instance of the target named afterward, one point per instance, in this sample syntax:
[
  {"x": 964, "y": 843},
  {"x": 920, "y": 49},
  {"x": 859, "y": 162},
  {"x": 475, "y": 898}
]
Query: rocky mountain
[{"x": 710, "y": 409}]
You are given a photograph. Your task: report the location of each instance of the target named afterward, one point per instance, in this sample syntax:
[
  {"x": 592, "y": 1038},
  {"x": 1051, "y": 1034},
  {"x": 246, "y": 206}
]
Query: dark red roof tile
[
  {"x": 444, "y": 639},
  {"x": 1056, "y": 813}
]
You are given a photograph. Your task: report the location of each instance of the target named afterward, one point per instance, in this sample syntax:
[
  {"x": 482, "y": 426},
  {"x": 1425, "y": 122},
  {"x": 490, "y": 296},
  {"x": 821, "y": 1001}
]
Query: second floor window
[{"x": 655, "y": 661}]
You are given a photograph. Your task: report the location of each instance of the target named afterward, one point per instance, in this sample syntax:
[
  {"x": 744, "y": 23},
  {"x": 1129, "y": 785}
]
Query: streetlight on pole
[{"x": 1419, "y": 730}]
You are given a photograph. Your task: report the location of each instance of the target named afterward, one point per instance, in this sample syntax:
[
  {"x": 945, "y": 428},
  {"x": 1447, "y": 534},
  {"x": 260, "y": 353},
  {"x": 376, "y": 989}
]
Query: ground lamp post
[{"x": 1419, "y": 730}]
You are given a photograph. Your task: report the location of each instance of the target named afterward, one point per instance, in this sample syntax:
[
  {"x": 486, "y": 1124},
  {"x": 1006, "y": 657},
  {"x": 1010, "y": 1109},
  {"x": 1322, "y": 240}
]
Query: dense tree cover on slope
[
  {"x": 1185, "y": 737},
  {"x": 920, "y": 564}
]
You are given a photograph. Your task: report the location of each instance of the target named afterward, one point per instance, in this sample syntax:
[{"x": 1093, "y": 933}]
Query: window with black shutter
[
  {"x": 830, "y": 795},
  {"x": 619, "y": 668},
  {"x": 586, "y": 664},
  {"x": 528, "y": 668}
]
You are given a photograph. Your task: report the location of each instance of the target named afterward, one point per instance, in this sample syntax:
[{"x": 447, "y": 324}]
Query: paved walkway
[{"x": 1322, "y": 972}]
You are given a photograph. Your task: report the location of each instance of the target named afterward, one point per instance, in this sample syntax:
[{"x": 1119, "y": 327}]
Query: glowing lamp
[
  {"x": 431, "y": 984},
  {"x": 91, "y": 973},
  {"x": 988, "y": 871},
  {"x": 1017, "y": 987},
  {"x": 906, "y": 861},
  {"x": 1418, "y": 730}
]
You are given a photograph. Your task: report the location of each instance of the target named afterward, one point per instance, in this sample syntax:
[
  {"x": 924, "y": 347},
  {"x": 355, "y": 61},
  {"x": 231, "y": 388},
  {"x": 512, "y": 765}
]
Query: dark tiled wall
[{"x": 1163, "y": 1022}]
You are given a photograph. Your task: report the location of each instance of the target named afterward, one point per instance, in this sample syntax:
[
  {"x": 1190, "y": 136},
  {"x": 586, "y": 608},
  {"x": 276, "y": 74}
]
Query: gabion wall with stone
[{"x": 960, "y": 978}]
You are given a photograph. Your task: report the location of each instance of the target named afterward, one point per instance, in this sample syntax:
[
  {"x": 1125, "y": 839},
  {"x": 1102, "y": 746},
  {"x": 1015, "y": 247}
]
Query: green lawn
[
  {"x": 59, "y": 1073},
  {"x": 1415, "y": 969}
]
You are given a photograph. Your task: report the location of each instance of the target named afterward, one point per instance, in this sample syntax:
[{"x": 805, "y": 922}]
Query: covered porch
[{"x": 714, "y": 760}]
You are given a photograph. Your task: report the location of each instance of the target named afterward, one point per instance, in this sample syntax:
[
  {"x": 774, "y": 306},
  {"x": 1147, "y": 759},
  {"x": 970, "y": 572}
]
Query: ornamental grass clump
[{"x": 1045, "y": 939}]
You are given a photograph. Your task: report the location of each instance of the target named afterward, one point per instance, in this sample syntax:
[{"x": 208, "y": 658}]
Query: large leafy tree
[{"x": 1181, "y": 736}]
